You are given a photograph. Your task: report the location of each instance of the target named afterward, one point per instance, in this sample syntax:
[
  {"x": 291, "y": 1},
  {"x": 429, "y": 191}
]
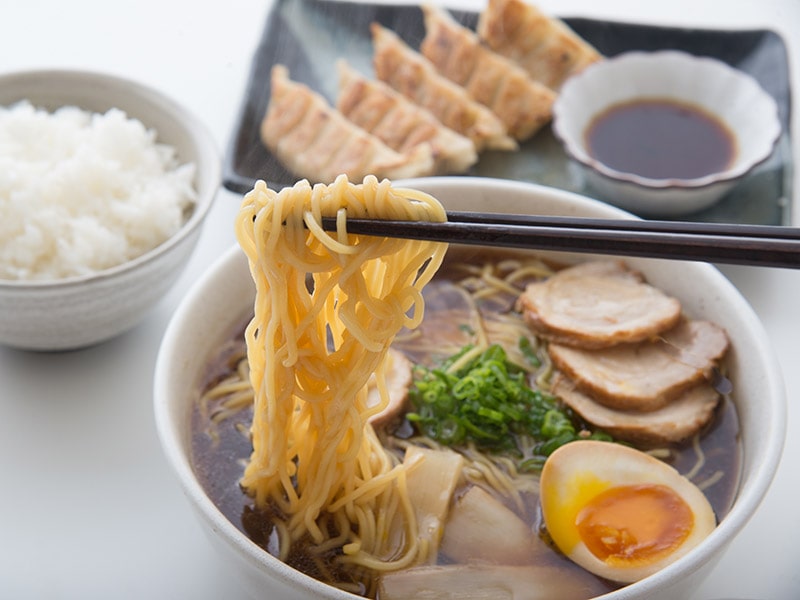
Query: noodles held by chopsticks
[{"x": 312, "y": 349}]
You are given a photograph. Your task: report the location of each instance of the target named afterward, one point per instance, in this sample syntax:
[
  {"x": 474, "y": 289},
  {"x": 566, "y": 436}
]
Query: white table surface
[{"x": 88, "y": 505}]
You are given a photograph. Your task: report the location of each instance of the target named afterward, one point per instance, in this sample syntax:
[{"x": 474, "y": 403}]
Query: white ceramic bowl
[
  {"x": 224, "y": 296},
  {"x": 731, "y": 95},
  {"x": 79, "y": 311}
]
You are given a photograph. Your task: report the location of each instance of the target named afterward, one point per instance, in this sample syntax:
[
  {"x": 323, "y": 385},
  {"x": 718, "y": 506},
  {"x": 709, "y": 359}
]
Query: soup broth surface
[{"x": 455, "y": 299}]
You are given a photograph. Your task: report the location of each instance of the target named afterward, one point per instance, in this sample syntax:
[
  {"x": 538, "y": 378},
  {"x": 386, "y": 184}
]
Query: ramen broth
[{"x": 221, "y": 444}]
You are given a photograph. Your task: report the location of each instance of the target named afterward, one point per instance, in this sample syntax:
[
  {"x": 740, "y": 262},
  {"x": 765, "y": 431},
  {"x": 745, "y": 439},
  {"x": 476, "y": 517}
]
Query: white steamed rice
[{"x": 81, "y": 192}]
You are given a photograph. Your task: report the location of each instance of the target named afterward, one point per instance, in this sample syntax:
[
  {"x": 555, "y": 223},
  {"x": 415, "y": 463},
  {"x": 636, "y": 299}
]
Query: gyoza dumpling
[
  {"x": 316, "y": 142},
  {"x": 399, "y": 123},
  {"x": 522, "y": 104},
  {"x": 542, "y": 45},
  {"x": 413, "y": 75}
]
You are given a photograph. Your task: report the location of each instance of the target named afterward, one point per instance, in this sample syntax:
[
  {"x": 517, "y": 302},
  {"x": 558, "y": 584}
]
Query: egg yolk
[{"x": 634, "y": 524}]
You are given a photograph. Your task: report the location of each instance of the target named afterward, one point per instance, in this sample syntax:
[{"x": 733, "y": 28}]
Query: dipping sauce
[{"x": 661, "y": 139}]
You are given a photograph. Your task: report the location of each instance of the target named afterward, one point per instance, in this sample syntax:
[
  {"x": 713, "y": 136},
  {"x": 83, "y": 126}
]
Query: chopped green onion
[
  {"x": 488, "y": 401},
  {"x": 528, "y": 352}
]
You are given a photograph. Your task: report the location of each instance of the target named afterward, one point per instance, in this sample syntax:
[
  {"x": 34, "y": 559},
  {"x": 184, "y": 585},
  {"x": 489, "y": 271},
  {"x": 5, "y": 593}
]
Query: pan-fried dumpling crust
[
  {"x": 544, "y": 46},
  {"x": 522, "y": 104},
  {"x": 411, "y": 74},
  {"x": 316, "y": 142},
  {"x": 399, "y": 123}
]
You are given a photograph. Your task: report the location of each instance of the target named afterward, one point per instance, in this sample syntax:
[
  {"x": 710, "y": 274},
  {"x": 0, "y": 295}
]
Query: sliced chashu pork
[
  {"x": 398, "y": 380},
  {"x": 597, "y": 304},
  {"x": 677, "y": 421},
  {"x": 646, "y": 375}
]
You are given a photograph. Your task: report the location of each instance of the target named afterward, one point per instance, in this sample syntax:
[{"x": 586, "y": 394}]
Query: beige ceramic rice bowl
[{"x": 76, "y": 311}]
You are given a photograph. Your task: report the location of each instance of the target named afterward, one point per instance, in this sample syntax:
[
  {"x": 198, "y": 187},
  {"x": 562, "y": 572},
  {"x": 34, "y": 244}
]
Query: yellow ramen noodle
[{"x": 312, "y": 348}]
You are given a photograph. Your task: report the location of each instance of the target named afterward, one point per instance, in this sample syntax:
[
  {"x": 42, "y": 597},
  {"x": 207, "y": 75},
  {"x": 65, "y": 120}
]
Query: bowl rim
[
  {"x": 576, "y": 151},
  {"x": 197, "y": 131},
  {"x": 747, "y": 498}
]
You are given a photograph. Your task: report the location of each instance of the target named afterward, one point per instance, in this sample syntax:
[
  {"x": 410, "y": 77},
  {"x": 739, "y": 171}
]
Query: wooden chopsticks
[{"x": 759, "y": 245}]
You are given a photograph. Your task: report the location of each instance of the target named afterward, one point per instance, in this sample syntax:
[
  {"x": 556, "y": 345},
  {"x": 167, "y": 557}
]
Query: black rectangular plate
[{"x": 308, "y": 36}]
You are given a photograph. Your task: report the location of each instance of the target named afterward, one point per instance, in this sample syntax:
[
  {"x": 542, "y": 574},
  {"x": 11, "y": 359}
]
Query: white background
[{"x": 88, "y": 507}]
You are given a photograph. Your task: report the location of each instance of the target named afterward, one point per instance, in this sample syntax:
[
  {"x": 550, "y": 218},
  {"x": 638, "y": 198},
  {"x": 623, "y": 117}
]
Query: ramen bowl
[
  {"x": 74, "y": 311},
  {"x": 654, "y": 167},
  {"x": 222, "y": 299}
]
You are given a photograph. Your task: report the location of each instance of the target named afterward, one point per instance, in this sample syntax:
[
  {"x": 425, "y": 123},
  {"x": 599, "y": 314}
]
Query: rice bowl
[
  {"x": 92, "y": 306},
  {"x": 100, "y": 192}
]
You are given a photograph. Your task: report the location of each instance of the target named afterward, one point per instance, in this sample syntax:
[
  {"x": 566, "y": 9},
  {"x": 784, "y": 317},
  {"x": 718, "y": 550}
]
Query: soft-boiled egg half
[{"x": 618, "y": 512}]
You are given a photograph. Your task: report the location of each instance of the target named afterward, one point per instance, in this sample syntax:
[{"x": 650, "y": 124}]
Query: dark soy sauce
[{"x": 660, "y": 139}]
